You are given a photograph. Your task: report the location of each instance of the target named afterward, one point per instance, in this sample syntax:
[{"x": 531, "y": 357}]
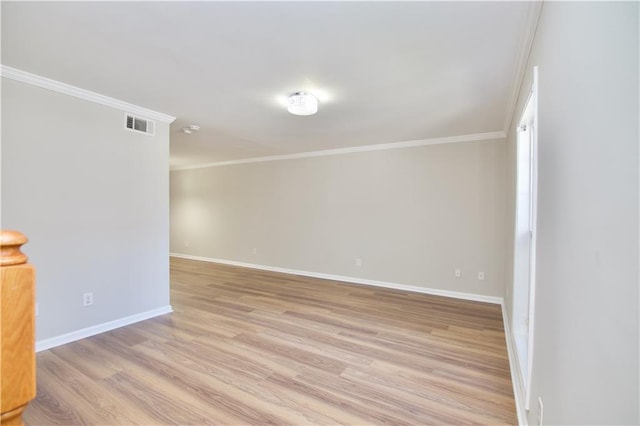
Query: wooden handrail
[{"x": 17, "y": 323}]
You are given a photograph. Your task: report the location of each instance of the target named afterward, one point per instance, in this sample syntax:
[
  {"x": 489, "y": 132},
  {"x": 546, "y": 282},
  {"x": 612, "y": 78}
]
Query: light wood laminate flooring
[{"x": 252, "y": 347}]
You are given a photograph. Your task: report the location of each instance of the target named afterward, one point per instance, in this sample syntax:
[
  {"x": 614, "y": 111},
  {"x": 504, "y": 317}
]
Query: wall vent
[{"x": 138, "y": 124}]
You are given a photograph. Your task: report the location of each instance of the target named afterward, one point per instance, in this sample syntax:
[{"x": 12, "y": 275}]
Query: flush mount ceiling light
[
  {"x": 301, "y": 103},
  {"x": 190, "y": 129}
]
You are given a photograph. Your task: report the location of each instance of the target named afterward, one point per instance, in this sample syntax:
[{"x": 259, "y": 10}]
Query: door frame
[{"x": 529, "y": 117}]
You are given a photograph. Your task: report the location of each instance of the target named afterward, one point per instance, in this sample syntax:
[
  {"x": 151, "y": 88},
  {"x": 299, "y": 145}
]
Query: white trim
[
  {"x": 67, "y": 89},
  {"x": 526, "y": 43},
  {"x": 350, "y": 150},
  {"x": 52, "y": 342},
  {"x": 353, "y": 280},
  {"x": 529, "y": 120},
  {"x": 534, "y": 238},
  {"x": 516, "y": 380}
]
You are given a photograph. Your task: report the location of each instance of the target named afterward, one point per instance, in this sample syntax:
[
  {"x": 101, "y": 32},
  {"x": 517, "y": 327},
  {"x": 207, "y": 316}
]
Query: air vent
[{"x": 138, "y": 124}]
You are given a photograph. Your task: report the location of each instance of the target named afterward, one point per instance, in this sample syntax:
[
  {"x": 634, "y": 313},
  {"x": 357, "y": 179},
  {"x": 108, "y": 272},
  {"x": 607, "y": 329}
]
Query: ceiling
[{"x": 383, "y": 71}]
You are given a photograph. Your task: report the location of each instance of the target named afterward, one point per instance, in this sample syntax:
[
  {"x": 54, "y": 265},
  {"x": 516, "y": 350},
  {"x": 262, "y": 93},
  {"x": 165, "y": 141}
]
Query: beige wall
[
  {"x": 585, "y": 365},
  {"x": 412, "y": 215},
  {"x": 93, "y": 199}
]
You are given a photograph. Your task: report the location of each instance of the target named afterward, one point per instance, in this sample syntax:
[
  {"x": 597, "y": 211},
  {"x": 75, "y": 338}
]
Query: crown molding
[
  {"x": 67, "y": 89},
  {"x": 353, "y": 149},
  {"x": 526, "y": 43}
]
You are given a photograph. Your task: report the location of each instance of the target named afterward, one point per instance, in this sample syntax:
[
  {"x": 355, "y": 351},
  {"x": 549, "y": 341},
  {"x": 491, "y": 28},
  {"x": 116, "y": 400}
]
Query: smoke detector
[{"x": 190, "y": 129}]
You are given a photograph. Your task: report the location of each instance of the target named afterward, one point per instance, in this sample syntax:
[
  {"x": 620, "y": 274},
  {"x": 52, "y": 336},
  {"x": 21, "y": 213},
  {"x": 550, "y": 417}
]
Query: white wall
[
  {"x": 412, "y": 215},
  {"x": 93, "y": 200},
  {"x": 586, "y": 331}
]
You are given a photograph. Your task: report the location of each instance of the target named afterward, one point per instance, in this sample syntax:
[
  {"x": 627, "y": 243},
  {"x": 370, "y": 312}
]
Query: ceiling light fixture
[
  {"x": 301, "y": 103},
  {"x": 190, "y": 129}
]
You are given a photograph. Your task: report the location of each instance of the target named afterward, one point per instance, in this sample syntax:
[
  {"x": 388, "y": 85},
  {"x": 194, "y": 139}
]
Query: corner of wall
[{"x": 93, "y": 199}]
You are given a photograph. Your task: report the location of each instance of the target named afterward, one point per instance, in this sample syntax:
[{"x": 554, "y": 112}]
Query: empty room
[{"x": 355, "y": 213}]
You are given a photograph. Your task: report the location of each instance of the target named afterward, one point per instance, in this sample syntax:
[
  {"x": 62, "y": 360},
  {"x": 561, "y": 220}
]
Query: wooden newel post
[{"x": 17, "y": 323}]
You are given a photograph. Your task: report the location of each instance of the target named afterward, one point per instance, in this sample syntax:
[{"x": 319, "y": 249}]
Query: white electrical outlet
[
  {"x": 358, "y": 262},
  {"x": 87, "y": 299},
  {"x": 481, "y": 276},
  {"x": 186, "y": 243},
  {"x": 457, "y": 273},
  {"x": 254, "y": 251},
  {"x": 37, "y": 310},
  {"x": 540, "y": 408}
]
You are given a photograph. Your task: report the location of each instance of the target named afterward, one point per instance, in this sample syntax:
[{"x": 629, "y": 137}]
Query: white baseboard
[
  {"x": 516, "y": 379},
  {"x": 52, "y": 342},
  {"x": 354, "y": 280},
  {"x": 511, "y": 350}
]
